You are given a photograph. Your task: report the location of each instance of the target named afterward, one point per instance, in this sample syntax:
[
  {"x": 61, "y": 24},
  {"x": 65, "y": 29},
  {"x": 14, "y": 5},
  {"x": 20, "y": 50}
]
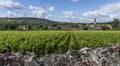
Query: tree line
[{"x": 7, "y": 24}]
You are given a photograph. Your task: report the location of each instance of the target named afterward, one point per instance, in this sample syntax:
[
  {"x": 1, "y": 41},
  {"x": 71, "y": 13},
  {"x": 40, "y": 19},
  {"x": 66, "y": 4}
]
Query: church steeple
[{"x": 95, "y": 20}]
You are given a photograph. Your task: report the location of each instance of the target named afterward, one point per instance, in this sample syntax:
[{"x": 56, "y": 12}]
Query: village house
[
  {"x": 51, "y": 28},
  {"x": 95, "y": 26},
  {"x": 33, "y": 27},
  {"x": 22, "y": 27},
  {"x": 65, "y": 27}
]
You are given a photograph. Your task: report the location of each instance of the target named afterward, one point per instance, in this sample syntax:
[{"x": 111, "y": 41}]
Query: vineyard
[{"x": 47, "y": 42}]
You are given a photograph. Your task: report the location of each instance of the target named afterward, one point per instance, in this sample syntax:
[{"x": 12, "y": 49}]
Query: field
[{"x": 47, "y": 42}]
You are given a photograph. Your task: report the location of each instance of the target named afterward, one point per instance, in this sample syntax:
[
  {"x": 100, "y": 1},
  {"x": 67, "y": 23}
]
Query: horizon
[
  {"x": 78, "y": 11},
  {"x": 58, "y": 21}
]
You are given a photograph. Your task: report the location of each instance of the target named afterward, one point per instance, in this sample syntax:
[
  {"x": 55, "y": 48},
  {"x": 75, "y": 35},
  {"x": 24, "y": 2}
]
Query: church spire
[{"x": 95, "y": 21}]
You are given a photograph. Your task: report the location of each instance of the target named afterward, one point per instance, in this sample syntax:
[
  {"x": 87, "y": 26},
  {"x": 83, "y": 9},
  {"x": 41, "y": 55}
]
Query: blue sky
[{"x": 62, "y": 10}]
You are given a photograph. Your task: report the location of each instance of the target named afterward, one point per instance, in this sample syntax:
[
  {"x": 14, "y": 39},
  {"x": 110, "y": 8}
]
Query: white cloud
[
  {"x": 75, "y": 0},
  {"x": 107, "y": 12},
  {"x": 11, "y": 5},
  {"x": 16, "y": 9},
  {"x": 93, "y": 14},
  {"x": 114, "y": 7},
  {"x": 11, "y": 14},
  {"x": 51, "y": 8},
  {"x": 38, "y": 11},
  {"x": 112, "y": 16},
  {"x": 68, "y": 14}
]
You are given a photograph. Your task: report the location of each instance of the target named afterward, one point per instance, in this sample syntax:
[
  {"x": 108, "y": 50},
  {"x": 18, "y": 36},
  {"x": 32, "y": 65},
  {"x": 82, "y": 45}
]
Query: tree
[
  {"x": 73, "y": 25},
  {"x": 105, "y": 27},
  {"x": 115, "y": 24},
  {"x": 29, "y": 27},
  {"x": 58, "y": 27},
  {"x": 54, "y": 25},
  {"x": 2, "y": 27},
  {"x": 12, "y": 26},
  {"x": 85, "y": 26}
]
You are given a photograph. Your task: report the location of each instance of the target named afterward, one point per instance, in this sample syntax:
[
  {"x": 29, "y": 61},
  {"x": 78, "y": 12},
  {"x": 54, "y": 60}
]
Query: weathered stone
[{"x": 85, "y": 57}]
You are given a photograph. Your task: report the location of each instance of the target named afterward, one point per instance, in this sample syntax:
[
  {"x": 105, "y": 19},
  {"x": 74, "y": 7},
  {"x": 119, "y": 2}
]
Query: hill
[
  {"x": 27, "y": 20},
  {"x": 31, "y": 23}
]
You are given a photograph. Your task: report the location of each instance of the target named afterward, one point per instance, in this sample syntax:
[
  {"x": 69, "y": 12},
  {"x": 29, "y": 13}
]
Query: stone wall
[{"x": 109, "y": 56}]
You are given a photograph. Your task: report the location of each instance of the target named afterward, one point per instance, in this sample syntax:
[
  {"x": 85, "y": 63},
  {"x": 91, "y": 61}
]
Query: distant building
[
  {"x": 76, "y": 28},
  {"x": 33, "y": 27},
  {"x": 51, "y": 28},
  {"x": 95, "y": 26},
  {"x": 22, "y": 27},
  {"x": 110, "y": 26},
  {"x": 65, "y": 27}
]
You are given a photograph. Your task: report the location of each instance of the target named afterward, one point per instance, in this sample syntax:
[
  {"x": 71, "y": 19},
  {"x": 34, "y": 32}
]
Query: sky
[{"x": 80, "y": 11}]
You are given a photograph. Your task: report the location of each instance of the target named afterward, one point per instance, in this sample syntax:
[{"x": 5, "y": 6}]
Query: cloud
[
  {"x": 51, "y": 8},
  {"x": 68, "y": 14},
  {"x": 106, "y": 12},
  {"x": 75, "y": 0},
  {"x": 38, "y": 11},
  {"x": 11, "y": 14},
  {"x": 16, "y": 9},
  {"x": 114, "y": 7},
  {"x": 93, "y": 14},
  {"x": 11, "y": 5}
]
